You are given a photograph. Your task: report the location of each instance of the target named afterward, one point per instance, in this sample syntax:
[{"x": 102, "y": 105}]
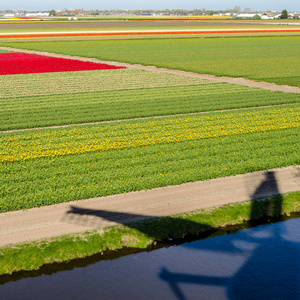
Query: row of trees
[{"x": 181, "y": 12}]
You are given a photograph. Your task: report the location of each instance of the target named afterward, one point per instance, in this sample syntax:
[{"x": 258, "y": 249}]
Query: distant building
[
  {"x": 38, "y": 14},
  {"x": 244, "y": 16},
  {"x": 266, "y": 17}
]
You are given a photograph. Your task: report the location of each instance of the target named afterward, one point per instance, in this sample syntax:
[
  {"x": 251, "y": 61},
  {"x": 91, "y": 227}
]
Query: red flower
[{"x": 23, "y": 63}]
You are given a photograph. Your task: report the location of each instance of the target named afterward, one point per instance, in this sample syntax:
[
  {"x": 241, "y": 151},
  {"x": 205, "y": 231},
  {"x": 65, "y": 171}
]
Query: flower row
[
  {"x": 24, "y": 63},
  {"x": 103, "y": 137},
  {"x": 158, "y": 32}
]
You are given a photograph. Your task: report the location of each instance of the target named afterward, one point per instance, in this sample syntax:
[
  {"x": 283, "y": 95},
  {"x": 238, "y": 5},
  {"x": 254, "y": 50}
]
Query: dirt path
[
  {"x": 97, "y": 213},
  {"x": 239, "y": 81}
]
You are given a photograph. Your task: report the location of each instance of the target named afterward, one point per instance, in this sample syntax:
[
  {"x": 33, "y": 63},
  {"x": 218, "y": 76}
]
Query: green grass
[
  {"x": 32, "y": 256},
  {"x": 38, "y": 111},
  {"x": 258, "y": 58},
  {"x": 3, "y": 51}
]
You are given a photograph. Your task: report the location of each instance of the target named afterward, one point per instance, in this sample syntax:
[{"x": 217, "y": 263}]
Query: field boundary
[{"x": 231, "y": 80}]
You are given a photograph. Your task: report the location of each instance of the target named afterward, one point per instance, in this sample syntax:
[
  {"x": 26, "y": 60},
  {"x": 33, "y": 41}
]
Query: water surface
[{"x": 257, "y": 263}]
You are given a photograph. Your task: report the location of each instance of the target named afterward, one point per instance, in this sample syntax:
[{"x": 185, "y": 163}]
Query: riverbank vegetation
[{"x": 32, "y": 256}]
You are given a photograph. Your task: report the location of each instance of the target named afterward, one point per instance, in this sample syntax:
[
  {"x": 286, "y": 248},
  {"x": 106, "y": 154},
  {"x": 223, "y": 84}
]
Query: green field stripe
[
  {"x": 42, "y": 111},
  {"x": 88, "y": 81},
  {"x": 53, "y": 180},
  {"x": 284, "y": 80}
]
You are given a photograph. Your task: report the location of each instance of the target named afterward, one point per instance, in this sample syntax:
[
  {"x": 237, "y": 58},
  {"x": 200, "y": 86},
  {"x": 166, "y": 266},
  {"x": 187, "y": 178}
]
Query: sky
[{"x": 255, "y": 5}]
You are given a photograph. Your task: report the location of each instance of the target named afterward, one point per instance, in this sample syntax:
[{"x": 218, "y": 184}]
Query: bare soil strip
[
  {"x": 56, "y": 220},
  {"x": 239, "y": 81}
]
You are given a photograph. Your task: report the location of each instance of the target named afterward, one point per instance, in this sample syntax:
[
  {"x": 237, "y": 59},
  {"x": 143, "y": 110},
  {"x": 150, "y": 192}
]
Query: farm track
[
  {"x": 231, "y": 80},
  {"x": 46, "y": 222},
  {"x": 55, "y": 220}
]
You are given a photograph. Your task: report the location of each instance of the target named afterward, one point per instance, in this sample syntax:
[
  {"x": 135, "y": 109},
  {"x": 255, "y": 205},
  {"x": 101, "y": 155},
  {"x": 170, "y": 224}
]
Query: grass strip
[
  {"x": 39, "y": 111},
  {"x": 31, "y": 256},
  {"x": 249, "y": 57}
]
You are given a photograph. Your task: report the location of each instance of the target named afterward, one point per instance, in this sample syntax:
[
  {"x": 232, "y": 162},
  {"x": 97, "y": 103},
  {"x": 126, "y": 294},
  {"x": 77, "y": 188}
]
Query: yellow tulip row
[{"x": 103, "y": 137}]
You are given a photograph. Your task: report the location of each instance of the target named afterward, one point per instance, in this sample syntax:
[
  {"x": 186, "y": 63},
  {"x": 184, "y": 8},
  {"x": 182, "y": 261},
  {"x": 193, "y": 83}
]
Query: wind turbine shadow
[{"x": 157, "y": 227}]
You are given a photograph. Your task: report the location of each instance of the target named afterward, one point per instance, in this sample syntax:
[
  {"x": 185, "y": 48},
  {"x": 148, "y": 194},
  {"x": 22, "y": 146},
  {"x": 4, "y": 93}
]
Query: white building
[
  {"x": 245, "y": 16},
  {"x": 39, "y": 14}
]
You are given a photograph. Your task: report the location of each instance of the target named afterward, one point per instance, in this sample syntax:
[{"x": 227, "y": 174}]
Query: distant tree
[
  {"x": 52, "y": 12},
  {"x": 247, "y": 9},
  {"x": 237, "y": 8},
  {"x": 256, "y": 17},
  {"x": 284, "y": 14},
  {"x": 95, "y": 12}
]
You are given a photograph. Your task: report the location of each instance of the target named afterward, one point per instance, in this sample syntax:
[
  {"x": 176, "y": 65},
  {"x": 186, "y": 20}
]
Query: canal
[{"x": 255, "y": 263}]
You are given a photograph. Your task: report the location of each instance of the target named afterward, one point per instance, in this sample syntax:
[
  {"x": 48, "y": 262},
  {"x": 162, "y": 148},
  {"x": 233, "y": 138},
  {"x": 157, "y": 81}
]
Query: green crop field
[
  {"x": 273, "y": 59},
  {"x": 58, "y": 83},
  {"x": 47, "y": 166},
  {"x": 46, "y": 99}
]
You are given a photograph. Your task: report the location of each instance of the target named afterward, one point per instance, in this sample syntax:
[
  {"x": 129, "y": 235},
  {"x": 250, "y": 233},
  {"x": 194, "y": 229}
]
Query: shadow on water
[
  {"x": 271, "y": 271},
  {"x": 273, "y": 277}
]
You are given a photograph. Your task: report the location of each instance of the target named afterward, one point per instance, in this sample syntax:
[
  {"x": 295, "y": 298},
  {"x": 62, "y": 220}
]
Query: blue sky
[{"x": 291, "y": 5}]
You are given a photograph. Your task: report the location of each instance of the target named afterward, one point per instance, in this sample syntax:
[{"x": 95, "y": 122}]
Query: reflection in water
[
  {"x": 270, "y": 267},
  {"x": 250, "y": 264}
]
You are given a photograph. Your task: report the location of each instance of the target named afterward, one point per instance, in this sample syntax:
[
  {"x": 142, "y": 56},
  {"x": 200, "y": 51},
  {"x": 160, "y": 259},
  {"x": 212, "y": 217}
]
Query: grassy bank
[{"x": 141, "y": 234}]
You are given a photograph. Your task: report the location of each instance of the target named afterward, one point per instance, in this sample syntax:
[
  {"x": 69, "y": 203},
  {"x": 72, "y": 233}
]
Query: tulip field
[
  {"x": 195, "y": 129},
  {"x": 272, "y": 59},
  {"x": 60, "y": 98},
  {"x": 23, "y": 63}
]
